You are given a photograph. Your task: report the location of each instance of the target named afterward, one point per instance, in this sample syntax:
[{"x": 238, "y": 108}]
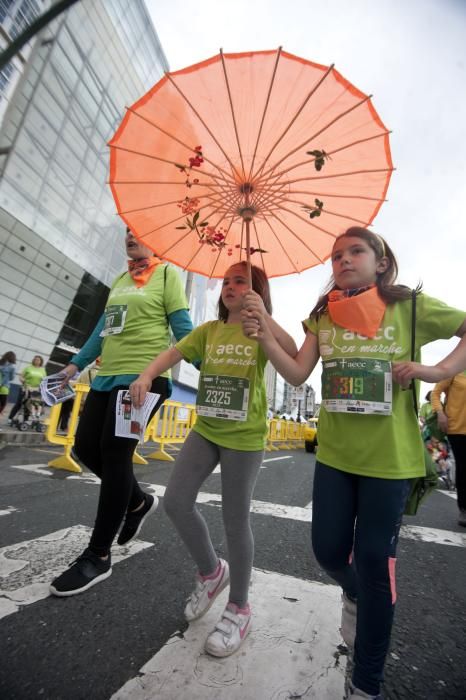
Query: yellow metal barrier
[
  {"x": 170, "y": 428},
  {"x": 285, "y": 435},
  {"x": 277, "y": 435},
  {"x": 294, "y": 434},
  {"x": 66, "y": 460}
]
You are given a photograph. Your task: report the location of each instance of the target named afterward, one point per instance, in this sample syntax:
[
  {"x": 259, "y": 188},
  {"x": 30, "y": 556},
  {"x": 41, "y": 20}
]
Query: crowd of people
[
  {"x": 361, "y": 328},
  {"x": 28, "y": 398}
]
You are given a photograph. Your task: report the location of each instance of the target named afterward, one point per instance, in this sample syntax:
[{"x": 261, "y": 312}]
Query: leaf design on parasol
[
  {"x": 314, "y": 211},
  {"x": 319, "y": 158}
]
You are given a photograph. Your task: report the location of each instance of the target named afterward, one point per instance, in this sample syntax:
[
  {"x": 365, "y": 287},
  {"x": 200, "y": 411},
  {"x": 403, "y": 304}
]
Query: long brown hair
[
  {"x": 260, "y": 284},
  {"x": 385, "y": 281},
  {"x": 8, "y": 357}
]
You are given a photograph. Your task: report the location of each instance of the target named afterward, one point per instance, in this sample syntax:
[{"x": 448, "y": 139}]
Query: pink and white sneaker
[
  {"x": 206, "y": 591},
  {"x": 230, "y": 631}
]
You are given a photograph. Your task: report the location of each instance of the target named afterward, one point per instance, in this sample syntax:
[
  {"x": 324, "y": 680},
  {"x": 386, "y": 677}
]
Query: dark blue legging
[{"x": 355, "y": 525}]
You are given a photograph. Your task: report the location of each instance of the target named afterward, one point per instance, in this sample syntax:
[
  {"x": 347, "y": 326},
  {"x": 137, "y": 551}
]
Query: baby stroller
[{"x": 31, "y": 409}]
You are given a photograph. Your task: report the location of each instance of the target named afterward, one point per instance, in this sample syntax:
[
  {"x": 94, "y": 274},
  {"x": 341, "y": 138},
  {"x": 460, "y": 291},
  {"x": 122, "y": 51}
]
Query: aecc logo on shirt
[{"x": 230, "y": 349}]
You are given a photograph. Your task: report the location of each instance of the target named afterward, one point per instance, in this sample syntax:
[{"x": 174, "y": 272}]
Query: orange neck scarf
[
  {"x": 361, "y": 313},
  {"x": 142, "y": 270}
]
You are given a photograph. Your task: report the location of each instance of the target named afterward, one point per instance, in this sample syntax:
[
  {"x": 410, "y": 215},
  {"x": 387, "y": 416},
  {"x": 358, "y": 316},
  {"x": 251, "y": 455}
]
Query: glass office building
[{"x": 61, "y": 100}]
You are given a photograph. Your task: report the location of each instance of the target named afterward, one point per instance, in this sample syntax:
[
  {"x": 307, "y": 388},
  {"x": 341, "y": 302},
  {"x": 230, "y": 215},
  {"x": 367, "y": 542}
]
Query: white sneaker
[
  {"x": 207, "y": 589},
  {"x": 230, "y": 631},
  {"x": 348, "y": 620}
]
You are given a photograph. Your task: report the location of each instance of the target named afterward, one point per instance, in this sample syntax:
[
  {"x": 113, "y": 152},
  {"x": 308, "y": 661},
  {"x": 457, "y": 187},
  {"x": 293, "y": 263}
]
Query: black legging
[
  {"x": 17, "y": 405},
  {"x": 111, "y": 459},
  {"x": 458, "y": 446}
]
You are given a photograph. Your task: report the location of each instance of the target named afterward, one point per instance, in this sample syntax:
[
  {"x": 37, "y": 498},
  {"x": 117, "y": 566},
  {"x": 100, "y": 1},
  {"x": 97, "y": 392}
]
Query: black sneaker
[
  {"x": 134, "y": 520},
  {"x": 87, "y": 570}
]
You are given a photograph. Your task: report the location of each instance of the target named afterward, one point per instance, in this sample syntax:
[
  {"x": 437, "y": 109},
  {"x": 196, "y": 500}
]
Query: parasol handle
[
  {"x": 247, "y": 212},
  {"x": 248, "y": 261}
]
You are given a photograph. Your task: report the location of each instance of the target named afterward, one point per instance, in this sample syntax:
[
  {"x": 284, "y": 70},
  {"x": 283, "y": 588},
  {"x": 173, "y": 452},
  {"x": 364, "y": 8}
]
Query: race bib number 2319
[{"x": 357, "y": 385}]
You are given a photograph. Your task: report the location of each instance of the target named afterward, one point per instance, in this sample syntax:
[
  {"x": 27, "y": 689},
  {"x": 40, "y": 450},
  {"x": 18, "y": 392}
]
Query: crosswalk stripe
[
  {"x": 452, "y": 494},
  {"x": 291, "y": 652},
  {"x": 410, "y": 532},
  {"x": 27, "y": 568},
  {"x": 277, "y": 459}
]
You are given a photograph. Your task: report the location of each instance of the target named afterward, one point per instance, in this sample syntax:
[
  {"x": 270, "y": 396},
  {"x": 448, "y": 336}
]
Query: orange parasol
[{"x": 259, "y": 153}]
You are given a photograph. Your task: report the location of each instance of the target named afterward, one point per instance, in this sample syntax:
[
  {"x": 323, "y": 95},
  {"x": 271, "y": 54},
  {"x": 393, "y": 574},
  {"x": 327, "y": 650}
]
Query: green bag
[
  {"x": 421, "y": 486},
  {"x": 431, "y": 429}
]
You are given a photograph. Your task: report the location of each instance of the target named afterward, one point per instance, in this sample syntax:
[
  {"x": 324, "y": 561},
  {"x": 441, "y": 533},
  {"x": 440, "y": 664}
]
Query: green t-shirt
[
  {"x": 426, "y": 410},
  {"x": 225, "y": 352},
  {"x": 385, "y": 446},
  {"x": 33, "y": 376},
  {"x": 145, "y": 332}
]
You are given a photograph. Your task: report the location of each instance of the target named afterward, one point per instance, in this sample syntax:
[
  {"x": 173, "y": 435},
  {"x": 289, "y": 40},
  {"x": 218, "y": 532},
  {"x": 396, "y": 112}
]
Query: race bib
[
  {"x": 223, "y": 397},
  {"x": 357, "y": 385},
  {"x": 114, "y": 319}
]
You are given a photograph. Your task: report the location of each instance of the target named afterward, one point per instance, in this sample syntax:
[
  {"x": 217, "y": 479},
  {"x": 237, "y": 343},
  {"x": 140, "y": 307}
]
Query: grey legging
[{"x": 196, "y": 461}]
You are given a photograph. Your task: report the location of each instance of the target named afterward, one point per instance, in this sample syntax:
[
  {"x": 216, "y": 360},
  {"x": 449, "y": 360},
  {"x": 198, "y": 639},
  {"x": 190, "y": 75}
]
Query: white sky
[{"x": 411, "y": 56}]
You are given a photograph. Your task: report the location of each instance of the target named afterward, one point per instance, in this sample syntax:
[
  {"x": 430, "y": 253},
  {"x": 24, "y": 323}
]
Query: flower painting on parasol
[{"x": 260, "y": 154}]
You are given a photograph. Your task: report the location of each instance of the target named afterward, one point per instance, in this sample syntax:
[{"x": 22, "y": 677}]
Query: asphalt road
[{"x": 91, "y": 645}]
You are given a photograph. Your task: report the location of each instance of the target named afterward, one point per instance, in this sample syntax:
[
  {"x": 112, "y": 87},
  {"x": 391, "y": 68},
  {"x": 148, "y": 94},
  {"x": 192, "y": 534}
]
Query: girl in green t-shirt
[
  {"x": 370, "y": 446},
  {"x": 231, "y": 429}
]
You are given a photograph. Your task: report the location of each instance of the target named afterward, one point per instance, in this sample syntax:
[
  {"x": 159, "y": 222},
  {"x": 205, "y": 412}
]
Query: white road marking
[
  {"x": 8, "y": 511},
  {"x": 217, "y": 469},
  {"x": 411, "y": 532},
  {"x": 291, "y": 652},
  {"x": 277, "y": 459},
  {"x": 260, "y": 507},
  {"x": 27, "y": 568},
  {"x": 430, "y": 534},
  {"x": 452, "y": 494}
]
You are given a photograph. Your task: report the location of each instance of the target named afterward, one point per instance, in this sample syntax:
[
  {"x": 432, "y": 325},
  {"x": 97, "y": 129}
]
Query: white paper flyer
[
  {"x": 53, "y": 390},
  {"x": 130, "y": 421}
]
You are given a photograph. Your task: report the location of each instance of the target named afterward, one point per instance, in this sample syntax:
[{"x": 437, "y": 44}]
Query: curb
[{"x": 15, "y": 437}]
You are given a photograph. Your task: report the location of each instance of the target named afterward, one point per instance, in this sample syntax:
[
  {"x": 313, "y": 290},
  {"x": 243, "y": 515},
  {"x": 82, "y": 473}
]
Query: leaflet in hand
[
  {"x": 130, "y": 421},
  {"x": 53, "y": 390}
]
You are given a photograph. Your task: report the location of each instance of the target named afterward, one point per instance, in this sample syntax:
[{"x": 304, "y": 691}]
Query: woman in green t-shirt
[
  {"x": 144, "y": 303},
  {"x": 370, "y": 447},
  {"x": 231, "y": 428},
  {"x": 30, "y": 378}
]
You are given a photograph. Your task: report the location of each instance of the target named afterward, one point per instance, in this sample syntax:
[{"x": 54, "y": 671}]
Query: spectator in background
[
  {"x": 30, "y": 378},
  {"x": 426, "y": 409},
  {"x": 7, "y": 373},
  {"x": 451, "y": 418}
]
